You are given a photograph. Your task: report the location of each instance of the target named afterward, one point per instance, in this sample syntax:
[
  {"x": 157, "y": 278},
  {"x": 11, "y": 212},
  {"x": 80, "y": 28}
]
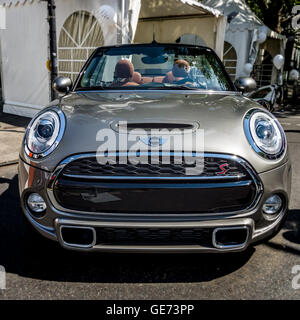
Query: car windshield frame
[{"x": 102, "y": 50}]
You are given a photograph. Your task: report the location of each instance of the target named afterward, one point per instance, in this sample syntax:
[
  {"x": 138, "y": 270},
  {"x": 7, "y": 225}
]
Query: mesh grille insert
[
  {"x": 212, "y": 168},
  {"x": 154, "y": 236}
]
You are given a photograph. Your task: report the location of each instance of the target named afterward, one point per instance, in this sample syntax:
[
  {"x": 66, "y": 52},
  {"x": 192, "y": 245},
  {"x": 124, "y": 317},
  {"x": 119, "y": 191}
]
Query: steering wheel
[{"x": 183, "y": 81}]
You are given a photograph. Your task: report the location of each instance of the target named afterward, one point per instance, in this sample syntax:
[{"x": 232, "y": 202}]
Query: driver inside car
[{"x": 179, "y": 72}]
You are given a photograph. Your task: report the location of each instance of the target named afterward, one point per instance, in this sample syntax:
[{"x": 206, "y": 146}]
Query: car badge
[
  {"x": 154, "y": 141},
  {"x": 223, "y": 170}
]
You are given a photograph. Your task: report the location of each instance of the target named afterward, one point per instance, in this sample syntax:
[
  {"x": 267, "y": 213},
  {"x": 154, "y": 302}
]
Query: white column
[{"x": 220, "y": 36}]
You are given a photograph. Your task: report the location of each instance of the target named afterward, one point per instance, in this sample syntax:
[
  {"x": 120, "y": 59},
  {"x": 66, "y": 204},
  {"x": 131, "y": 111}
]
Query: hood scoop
[
  {"x": 149, "y": 126},
  {"x": 126, "y": 127}
]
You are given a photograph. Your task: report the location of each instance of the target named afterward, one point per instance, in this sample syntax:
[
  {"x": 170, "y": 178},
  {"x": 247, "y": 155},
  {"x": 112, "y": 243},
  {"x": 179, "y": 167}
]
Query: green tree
[{"x": 276, "y": 14}]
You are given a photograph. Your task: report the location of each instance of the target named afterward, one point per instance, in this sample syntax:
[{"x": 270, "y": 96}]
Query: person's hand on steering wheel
[{"x": 184, "y": 81}]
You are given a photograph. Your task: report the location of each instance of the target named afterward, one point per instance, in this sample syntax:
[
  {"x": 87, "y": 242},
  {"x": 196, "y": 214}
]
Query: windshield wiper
[
  {"x": 90, "y": 88},
  {"x": 183, "y": 87},
  {"x": 133, "y": 88}
]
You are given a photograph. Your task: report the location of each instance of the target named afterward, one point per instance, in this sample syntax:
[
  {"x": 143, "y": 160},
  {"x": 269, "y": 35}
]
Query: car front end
[{"x": 119, "y": 168}]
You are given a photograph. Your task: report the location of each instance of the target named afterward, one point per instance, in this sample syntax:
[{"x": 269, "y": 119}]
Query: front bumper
[{"x": 278, "y": 180}]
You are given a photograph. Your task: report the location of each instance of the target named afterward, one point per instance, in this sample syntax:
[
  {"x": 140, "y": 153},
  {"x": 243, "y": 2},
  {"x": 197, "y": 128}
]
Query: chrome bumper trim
[
  {"x": 247, "y": 223},
  {"x": 238, "y": 246}
]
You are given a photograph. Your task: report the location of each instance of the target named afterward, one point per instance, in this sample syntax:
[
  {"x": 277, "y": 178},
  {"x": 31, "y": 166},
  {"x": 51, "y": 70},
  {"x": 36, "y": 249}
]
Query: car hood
[{"x": 219, "y": 115}]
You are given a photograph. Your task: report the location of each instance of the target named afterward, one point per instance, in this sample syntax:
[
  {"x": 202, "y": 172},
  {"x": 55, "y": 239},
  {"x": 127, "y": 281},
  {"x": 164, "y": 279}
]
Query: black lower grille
[
  {"x": 151, "y": 198},
  {"x": 154, "y": 236}
]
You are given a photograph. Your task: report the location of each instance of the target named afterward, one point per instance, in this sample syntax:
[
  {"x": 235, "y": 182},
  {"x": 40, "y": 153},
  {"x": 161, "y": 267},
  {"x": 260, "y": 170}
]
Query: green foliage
[
  {"x": 255, "y": 6},
  {"x": 276, "y": 14}
]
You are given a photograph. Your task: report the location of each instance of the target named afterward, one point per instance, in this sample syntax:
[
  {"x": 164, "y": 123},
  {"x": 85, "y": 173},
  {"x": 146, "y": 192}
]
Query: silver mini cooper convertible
[{"x": 154, "y": 149}]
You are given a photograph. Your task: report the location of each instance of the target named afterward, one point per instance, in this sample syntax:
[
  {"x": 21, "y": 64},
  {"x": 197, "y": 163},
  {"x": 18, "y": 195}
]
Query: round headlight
[
  {"x": 44, "y": 133},
  {"x": 265, "y": 134}
]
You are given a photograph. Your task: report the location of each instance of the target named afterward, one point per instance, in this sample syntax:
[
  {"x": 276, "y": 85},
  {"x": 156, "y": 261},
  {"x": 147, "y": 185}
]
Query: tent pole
[
  {"x": 52, "y": 44},
  {"x": 121, "y": 18}
]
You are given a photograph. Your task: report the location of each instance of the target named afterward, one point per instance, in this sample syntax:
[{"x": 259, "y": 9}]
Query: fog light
[
  {"x": 272, "y": 205},
  {"x": 36, "y": 204}
]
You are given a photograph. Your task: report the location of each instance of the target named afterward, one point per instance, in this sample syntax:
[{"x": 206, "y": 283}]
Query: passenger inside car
[{"x": 124, "y": 74}]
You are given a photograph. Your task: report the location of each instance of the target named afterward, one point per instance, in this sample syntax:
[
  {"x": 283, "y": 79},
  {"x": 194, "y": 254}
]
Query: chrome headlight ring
[
  {"x": 265, "y": 134},
  {"x": 44, "y": 133}
]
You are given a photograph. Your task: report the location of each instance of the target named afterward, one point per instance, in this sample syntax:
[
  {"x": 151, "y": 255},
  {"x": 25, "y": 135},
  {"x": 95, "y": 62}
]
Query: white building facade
[
  {"x": 82, "y": 26},
  {"x": 242, "y": 30},
  {"x": 24, "y": 41}
]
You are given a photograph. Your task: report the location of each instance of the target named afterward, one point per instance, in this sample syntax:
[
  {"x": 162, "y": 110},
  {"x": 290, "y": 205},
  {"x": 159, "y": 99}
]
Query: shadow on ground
[
  {"x": 292, "y": 131},
  {"x": 287, "y": 112},
  {"x": 13, "y": 120},
  {"x": 291, "y": 233},
  {"x": 293, "y": 227},
  {"x": 35, "y": 257}
]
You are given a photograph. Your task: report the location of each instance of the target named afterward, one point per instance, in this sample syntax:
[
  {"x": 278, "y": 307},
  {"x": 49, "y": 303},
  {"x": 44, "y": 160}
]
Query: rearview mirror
[
  {"x": 62, "y": 85},
  {"x": 154, "y": 60},
  {"x": 245, "y": 84}
]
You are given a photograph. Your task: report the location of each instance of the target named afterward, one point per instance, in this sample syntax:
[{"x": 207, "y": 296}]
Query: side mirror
[
  {"x": 62, "y": 85},
  {"x": 245, "y": 84}
]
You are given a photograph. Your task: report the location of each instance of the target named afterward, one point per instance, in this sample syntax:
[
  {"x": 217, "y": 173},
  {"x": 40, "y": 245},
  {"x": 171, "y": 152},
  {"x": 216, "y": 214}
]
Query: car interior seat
[{"x": 124, "y": 72}]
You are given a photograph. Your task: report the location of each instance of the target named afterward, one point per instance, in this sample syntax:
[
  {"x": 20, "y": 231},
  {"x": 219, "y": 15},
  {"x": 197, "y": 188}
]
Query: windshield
[{"x": 154, "y": 66}]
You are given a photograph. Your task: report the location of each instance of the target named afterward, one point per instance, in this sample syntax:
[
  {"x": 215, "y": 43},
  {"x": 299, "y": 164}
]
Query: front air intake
[
  {"x": 78, "y": 237},
  {"x": 85, "y": 185},
  {"x": 230, "y": 237}
]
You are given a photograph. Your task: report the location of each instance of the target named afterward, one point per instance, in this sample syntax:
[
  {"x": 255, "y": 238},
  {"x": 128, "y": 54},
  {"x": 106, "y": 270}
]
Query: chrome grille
[{"x": 81, "y": 184}]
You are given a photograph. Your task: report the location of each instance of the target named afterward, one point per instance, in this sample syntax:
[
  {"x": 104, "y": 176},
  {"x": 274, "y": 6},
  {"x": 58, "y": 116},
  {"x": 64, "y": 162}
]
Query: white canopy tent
[
  {"x": 241, "y": 33},
  {"x": 183, "y": 21},
  {"x": 24, "y": 53},
  {"x": 81, "y": 26}
]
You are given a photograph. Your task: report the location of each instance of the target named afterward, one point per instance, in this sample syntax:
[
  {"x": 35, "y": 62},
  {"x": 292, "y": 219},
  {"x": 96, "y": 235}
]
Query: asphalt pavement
[
  {"x": 12, "y": 129},
  {"x": 39, "y": 269}
]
